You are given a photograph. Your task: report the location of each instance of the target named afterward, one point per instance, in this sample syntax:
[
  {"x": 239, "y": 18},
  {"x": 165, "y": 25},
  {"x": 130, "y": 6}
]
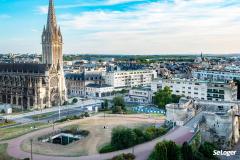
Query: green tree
[
  {"x": 175, "y": 98},
  {"x": 173, "y": 151},
  {"x": 207, "y": 150},
  {"x": 123, "y": 137},
  {"x": 75, "y": 100},
  {"x": 105, "y": 104},
  {"x": 163, "y": 97},
  {"x": 118, "y": 105},
  {"x": 187, "y": 153},
  {"x": 160, "y": 152}
]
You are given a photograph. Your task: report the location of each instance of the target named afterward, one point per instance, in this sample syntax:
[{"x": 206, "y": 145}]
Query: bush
[
  {"x": 117, "y": 110},
  {"x": 75, "y": 100},
  {"x": 166, "y": 150},
  {"x": 207, "y": 150},
  {"x": 127, "y": 156},
  {"x": 118, "y": 105},
  {"x": 66, "y": 103},
  {"x": 86, "y": 114},
  {"x": 71, "y": 118},
  {"x": 107, "y": 148},
  {"x": 123, "y": 137},
  {"x": 3, "y": 111}
]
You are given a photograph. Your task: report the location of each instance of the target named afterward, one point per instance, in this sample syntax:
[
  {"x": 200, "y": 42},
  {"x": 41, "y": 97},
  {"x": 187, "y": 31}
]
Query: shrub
[
  {"x": 75, "y": 100},
  {"x": 107, "y": 148},
  {"x": 127, "y": 156},
  {"x": 118, "y": 105},
  {"x": 3, "y": 111},
  {"x": 123, "y": 137},
  {"x": 207, "y": 150},
  {"x": 65, "y": 103},
  {"x": 86, "y": 114},
  {"x": 166, "y": 150}
]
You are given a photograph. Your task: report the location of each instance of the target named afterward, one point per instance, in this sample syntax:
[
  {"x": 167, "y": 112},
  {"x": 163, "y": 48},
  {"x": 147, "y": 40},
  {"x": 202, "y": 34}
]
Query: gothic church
[{"x": 37, "y": 86}]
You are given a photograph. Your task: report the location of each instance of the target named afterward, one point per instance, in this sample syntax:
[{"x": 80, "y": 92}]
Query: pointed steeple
[
  {"x": 52, "y": 39},
  {"x": 52, "y": 20}
]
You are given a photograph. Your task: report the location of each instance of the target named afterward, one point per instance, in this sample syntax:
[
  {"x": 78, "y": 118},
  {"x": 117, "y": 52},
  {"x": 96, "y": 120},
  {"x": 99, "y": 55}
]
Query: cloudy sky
[{"x": 125, "y": 26}]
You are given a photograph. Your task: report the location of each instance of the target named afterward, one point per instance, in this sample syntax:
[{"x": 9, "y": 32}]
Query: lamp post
[{"x": 31, "y": 149}]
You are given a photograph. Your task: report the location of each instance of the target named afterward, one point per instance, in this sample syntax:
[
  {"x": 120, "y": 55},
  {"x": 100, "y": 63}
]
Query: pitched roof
[{"x": 23, "y": 67}]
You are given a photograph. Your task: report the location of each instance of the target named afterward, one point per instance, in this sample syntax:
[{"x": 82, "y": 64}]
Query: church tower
[
  {"x": 52, "y": 40},
  {"x": 52, "y": 55}
]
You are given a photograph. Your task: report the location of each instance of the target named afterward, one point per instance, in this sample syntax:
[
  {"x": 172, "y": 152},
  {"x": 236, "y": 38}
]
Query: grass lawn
[
  {"x": 3, "y": 153},
  {"x": 16, "y": 131},
  {"x": 44, "y": 115},
  {"x": 98, "y": 135},
  {"x": 2, "y": 124}
]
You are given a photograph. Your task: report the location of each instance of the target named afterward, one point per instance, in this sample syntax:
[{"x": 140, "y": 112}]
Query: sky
[{"x": 124, "y": 26}]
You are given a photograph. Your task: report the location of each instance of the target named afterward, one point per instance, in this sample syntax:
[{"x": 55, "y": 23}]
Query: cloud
[
  {"x": 113, "y": 2},
  {"x": 42, "y": 9},
  {"x": 181, "y": 26},
  {"x": 34, "y": 30}
]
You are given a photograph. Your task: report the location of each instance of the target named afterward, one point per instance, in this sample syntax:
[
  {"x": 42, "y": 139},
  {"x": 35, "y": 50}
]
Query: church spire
[
  {"x": 52, "y": 20},
  {"x": 52, "y": 39}
]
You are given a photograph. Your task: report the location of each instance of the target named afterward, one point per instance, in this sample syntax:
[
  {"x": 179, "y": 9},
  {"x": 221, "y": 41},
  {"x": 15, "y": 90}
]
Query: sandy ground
[{"x": 97, "y": 137}]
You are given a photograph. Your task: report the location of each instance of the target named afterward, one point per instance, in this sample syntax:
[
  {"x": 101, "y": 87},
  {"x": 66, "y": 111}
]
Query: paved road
[
  {"x": 24, "y": 117},
  {"x": 142, "y": 151}
]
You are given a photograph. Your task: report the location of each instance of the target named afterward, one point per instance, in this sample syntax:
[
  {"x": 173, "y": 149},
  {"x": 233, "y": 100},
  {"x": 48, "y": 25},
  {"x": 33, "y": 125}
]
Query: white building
[
  {"x": 123, "y": 79},
  {"x": 199, "y": 89},
  {"x": 98, "y": 90},
  {"x": 216, "y": 75},
  {"x": 139, "y": 95}
]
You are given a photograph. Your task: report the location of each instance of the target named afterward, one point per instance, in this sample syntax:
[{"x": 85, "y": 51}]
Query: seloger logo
[{"x": 224, "y": 153}]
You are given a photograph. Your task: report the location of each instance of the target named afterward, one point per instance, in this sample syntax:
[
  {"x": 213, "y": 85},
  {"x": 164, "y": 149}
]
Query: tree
[
  {"x": 3, "y": 111},
  {"x": 75, "y": 100},
  {"x": 65, "y": 103},
  {"x": 118, "y": 105},
  {"x": 123, "y": 137},
  {"x": 163, "y": 97},
  {"x": 105, "y": 104},
  {"x": 207, "y": 150},
  {"x": 175, "y": 98},
  {"x": 187, "y": 153},
  {"x": 160, "y": 152},
  {"x": 173, "y": 151}
]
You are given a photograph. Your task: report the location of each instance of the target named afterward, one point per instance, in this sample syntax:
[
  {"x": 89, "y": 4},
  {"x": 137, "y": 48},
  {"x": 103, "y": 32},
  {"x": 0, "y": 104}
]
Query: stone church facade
[{"x": 31, "y": 85}]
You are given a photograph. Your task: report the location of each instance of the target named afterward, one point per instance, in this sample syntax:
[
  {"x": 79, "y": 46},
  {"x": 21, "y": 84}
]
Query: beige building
[
  {"x": 125, "y": 79},
  {"x": 217, "y": 121},
  {"x": 31, "y": 85}
]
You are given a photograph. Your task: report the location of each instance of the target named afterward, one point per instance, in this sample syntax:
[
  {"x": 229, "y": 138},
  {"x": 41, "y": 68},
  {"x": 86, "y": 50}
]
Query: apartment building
[
  {"x": 216, "y": 75},
  {"x": 98, "y": 90},
  {"x": 127, "y": 79},
  {"x": 199, "y": 89},
  {"x": 139, "y": 95}
]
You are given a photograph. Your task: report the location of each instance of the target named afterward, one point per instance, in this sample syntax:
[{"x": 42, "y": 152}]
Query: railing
[{"x": 196, "y": 132}]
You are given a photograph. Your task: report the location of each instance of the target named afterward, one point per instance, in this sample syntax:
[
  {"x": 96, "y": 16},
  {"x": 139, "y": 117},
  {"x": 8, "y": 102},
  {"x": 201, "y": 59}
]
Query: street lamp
[{"x": 31, "y": 140}]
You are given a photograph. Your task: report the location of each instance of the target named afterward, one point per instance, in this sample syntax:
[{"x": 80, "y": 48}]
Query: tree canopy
[{"x": 165, "y": 96}]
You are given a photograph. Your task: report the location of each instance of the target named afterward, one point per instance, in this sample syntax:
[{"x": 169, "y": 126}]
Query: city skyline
[{"x": 125, "y": 26}]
